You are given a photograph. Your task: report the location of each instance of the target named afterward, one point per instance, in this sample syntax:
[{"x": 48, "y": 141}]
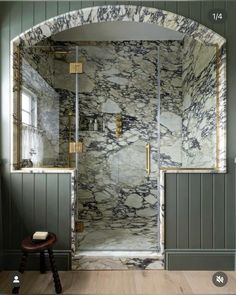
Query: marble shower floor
[{"x": 116, "y": 240}]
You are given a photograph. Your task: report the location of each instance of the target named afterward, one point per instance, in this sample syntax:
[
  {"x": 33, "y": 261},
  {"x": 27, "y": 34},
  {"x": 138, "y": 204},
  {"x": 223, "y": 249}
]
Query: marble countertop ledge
[
  {"x": 45, "y": 170},
  {"x": 192, "y": 170}
]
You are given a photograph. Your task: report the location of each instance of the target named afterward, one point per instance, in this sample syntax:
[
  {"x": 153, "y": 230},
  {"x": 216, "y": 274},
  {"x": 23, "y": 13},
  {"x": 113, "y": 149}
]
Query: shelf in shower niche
[{"x": 90, "y": 131}]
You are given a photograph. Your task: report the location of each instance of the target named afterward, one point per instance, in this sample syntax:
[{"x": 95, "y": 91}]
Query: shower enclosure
[
  {"x": 116, "y": 112},
  {"x": 109, "y": 111}
]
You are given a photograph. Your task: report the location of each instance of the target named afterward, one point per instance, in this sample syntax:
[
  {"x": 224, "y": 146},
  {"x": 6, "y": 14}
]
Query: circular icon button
[{"x": 219, "y": 279}]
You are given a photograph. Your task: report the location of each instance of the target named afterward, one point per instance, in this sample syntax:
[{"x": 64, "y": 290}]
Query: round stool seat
[{"x": 28, "y": 245}]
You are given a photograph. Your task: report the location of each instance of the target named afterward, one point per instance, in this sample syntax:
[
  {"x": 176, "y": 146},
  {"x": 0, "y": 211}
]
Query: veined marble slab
[{"x": 111, "y": 260}]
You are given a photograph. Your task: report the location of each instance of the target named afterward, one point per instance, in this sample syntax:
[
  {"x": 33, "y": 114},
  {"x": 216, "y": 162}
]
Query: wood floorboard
[{"x": 148, "y": 282}]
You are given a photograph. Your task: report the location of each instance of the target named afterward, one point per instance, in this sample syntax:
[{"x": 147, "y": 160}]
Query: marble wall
[
  {"x": 171, "y": 97},
  {"x": 199, "y": 105},
  {"x": 188, "y": 105}
]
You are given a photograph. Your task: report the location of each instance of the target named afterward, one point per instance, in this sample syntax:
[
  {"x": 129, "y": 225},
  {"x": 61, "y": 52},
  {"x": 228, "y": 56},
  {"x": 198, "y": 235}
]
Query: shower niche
[{"x": 141, "y": 104}]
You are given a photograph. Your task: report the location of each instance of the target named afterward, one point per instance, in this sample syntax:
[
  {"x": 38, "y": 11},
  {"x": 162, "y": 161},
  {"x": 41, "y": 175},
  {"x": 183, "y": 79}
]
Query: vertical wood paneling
[
  {"x": 182, "y": 211},
  {"x": 183, "y": 8},
  {"x": 194, "y": 211},
  {"x": 171, "y": 6},
  {"x": 219, "y": 28},
  {"x": 137, "y": 3},
  {"x": 171, "y": 211},
  {"x": 148, "y": 3},
  {"x": 15, "y": 19},
  {"x": 206, "y": 211},
  {"x": 206, "y": 7},
  {"x": 218, "y": 212},
  {"x": 40, "y": 204},
  {"x": 1, "y": 232},
  {"x": 202, "y": 197},
  {"x": 64, "y": 210},
  {"x": 87, "y": 4},
  {"x": 229, "y": 211},
  {"x": 17, "y": 210},
  {"x": 28, "y": 204},
  {"x": 51, "y": 9},
  {"x": 27, "y": 15},
  {"x": 160, "y": 4},
  {"x": 74, "y": 5},
  {"x": 195, "y": 11},
  {"x": 101, "y": 3},
  {"x": 52, "y": 203},
  {"x": 39, "y": 12},
  {"x": 63, "y": 7}
]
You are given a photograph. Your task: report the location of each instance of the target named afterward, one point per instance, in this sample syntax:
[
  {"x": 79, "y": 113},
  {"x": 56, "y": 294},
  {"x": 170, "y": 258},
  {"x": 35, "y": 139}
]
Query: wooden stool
[{"x": 28, "y": 246}]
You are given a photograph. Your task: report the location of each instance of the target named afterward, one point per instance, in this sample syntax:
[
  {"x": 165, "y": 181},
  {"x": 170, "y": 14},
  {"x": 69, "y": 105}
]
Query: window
[{"x": 28, "y": 108}]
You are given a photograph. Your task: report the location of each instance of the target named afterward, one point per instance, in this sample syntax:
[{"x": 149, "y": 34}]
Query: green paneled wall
[{"x": 199, "y": 208}]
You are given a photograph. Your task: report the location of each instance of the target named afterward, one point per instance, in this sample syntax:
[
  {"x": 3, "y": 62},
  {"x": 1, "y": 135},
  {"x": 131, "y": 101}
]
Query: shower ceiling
[{"x": 118, "y": 31}]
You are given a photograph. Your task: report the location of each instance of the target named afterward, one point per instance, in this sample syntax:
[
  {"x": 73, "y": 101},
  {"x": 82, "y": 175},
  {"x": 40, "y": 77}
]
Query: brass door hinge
[
  {"x": 76, "y": 68},
  {"x": 76, "y": 147},
  {"x": 79, "y": 226}
]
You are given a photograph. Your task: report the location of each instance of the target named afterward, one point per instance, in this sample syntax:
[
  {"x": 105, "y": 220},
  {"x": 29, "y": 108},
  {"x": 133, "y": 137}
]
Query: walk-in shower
[{"x": 112, "y": 108}]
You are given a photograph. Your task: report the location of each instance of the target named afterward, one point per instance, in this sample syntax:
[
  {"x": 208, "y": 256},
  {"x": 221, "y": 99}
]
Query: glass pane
[
  {"x": 26, "y": 102},
  {"x": 117, "y": 200},
  {"x": 48, "y": 112},
  {"x": 26, "y": 118}
]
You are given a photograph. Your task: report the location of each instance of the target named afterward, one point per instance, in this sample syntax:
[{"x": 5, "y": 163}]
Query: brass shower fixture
[
  {"x": 76, "y": 147},
  {"x": 76, "y": 68},
  {"x": 119, "y": 125}
]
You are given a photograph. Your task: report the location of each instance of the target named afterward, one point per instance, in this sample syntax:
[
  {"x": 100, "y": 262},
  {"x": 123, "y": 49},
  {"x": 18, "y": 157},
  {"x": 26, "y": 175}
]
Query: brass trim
[
  {"x": 79, "y": 226},
  {"x": 76, "y": 68},
  {"x": 76, "y": 147},
  {"x": 69, "y": 139},
  {"x": 118, "y": 125},
  {"x": 217, "y": 106},
  {"x": 180, "y": 168},
  {"x": 148, "y": 163}
]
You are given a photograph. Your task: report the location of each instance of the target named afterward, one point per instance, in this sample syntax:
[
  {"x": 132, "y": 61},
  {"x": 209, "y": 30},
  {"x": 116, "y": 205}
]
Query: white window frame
[{"x": 33, "y": 106}]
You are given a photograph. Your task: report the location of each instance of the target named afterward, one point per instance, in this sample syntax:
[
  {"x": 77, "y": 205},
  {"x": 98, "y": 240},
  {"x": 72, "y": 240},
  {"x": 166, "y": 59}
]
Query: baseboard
[
  {"x": 12, "y": 258},
  {"x": 202, "y": 259}
]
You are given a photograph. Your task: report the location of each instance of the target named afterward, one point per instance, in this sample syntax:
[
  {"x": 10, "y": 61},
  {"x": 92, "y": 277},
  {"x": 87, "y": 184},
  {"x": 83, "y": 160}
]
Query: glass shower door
[{"x": 117, "y": 194}]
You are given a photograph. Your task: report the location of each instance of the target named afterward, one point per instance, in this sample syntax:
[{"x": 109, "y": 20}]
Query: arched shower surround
[{"x": 129, "y": 13}]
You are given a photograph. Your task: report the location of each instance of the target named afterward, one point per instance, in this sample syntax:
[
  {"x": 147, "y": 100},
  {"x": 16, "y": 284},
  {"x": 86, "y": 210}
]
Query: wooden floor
[{"x": 149, "y": 282}]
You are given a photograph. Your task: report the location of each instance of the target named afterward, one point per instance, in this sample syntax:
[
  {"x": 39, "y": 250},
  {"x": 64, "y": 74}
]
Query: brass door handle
[{"x": 148, "y": 163}]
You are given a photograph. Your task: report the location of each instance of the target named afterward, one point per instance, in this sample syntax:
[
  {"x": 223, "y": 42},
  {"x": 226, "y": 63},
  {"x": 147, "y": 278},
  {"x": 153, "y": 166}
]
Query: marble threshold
[{"x": 114, "y": 260}]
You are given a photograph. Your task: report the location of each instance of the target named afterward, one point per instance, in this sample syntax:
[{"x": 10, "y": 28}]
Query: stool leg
[
  {"x": 22, "y": 266},
  {"x": 56, "y": 278},
  {"x": 42, "y": 263}
]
